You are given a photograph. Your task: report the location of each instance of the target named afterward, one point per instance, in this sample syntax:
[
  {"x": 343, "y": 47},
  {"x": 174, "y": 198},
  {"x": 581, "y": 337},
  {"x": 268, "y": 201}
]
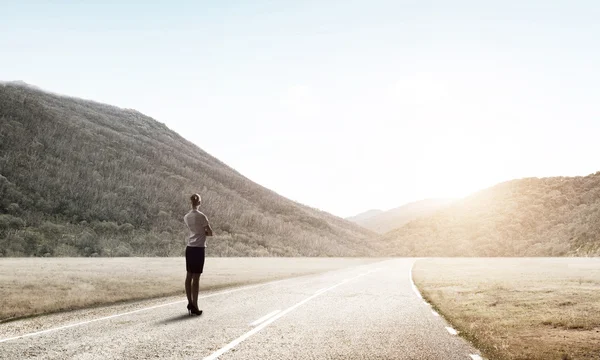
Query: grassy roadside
[
  {"x": 34, "y": 286},
  {"x": 533, "y": 308}
]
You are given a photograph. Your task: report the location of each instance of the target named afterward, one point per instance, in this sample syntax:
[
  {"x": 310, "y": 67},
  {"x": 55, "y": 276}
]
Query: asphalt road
[{"x": 365, "y": 312}]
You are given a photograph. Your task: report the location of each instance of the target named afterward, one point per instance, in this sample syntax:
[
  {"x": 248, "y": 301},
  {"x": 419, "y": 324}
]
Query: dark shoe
[
  {"x": 195, "y": 310},
  {"x": 190, "y": 307}
]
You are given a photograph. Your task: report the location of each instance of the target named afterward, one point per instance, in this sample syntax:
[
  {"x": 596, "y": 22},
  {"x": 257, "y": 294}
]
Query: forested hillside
[
  {"x": 79, "y": 178},
  {"x": 528, "y": 217}
]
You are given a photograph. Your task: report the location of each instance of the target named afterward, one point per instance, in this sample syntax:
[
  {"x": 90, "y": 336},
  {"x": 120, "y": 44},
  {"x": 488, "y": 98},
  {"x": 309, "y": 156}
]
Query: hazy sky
[{"x": 340, "y": 105}]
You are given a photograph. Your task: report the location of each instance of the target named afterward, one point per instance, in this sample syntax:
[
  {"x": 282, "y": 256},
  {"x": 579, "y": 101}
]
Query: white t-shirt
[{"x": 196, "y": 221}]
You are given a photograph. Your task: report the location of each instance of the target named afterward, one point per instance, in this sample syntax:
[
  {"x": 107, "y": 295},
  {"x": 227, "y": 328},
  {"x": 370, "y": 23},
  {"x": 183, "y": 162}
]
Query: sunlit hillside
[
  {"x": 80, "y": 178},
  {"x": 384, "y": 221},
  {"x": 364, "y": 215},
  {"x": 528, "y": 217}
]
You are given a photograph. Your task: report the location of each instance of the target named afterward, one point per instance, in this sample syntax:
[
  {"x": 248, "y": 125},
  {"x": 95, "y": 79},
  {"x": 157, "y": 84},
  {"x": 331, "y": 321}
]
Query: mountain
[
  {"x": 384, "y": 221},
  {"x": 80, "y": 178},
  {"x": 556, "y": 216},
  {"x": 364, "y": 215}
]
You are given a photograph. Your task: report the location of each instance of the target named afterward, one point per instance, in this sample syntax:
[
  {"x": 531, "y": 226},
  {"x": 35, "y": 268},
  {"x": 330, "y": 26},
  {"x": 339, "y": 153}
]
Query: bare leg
[
  {"x": 188, "y": 287},
  {"x": 195, "y": 289}
]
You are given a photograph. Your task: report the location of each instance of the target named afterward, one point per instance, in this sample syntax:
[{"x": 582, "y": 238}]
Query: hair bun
[{"x": 195, "y": 199}]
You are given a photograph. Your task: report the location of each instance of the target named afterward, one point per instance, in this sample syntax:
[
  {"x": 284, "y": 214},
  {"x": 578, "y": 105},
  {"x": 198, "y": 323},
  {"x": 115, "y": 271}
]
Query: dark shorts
[{"x": 194, "y": 259}]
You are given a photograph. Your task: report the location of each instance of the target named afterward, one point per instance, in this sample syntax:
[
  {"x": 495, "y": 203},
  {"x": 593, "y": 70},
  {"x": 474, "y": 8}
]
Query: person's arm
[{"x": 208, "y": 230}]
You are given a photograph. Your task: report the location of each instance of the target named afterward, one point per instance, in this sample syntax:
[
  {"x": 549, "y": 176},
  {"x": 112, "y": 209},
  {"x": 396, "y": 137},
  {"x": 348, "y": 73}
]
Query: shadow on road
[{"x": 178, "y": 318}]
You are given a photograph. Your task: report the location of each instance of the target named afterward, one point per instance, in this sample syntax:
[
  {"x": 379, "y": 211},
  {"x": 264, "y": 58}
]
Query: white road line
[
  {"x": 451, "y": 330},
  {"x": 416, "y": 290},
  {"x": 237, "y": 341},
  {"x": 87, "y": 322},
  {"x": 320, "y": 290},
  {"x": 264, "y": 318},
  {"x": 137, "y": 311},
  {"x": 412, "y": 283},
  {"x": 475, "y": 357}
]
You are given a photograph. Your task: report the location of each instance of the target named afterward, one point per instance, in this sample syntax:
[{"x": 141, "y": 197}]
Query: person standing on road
[{"x": 199, "y": 228}]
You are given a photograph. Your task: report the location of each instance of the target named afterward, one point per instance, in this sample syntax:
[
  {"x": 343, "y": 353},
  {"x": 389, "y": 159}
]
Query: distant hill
[
  {"x": 554, "y": 216},
  {"x": 364, "y": 215},
  {"x": 80, "y": 178},
  {"x": 384, "y": 221}
]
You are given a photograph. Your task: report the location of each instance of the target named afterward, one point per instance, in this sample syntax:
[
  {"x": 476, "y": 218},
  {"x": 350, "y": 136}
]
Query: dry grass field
[
  {"x": 532, "y": 308},
  {"x": 31, "y": 286}
]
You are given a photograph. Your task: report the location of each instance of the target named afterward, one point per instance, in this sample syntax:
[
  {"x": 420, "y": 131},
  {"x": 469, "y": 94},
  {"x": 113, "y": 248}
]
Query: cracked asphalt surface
[{"x": 364, "y": 312}]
